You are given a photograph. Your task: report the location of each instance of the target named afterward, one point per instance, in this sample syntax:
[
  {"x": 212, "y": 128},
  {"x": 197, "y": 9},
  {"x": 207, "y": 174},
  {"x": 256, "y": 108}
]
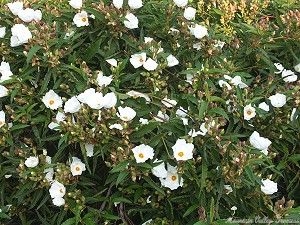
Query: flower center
[
  {"x": 84, "y": 19},
  {"x": 77, "y": 168},
  {"x": 173, "y": 178},
  {"x": 141, "y": 59},
  {"x": 249, "y": 112},
  {"x": 61, "y": 191},
  {"x": 141, "y": 155},
  {"x": 180, "y": 154},
  {"x": 51, "y": 102}
]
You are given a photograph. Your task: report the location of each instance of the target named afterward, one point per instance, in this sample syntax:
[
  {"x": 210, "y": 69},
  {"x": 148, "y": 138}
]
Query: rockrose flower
[
  {"x": 2, "y": 32},
  {"x": 52, "y": 100},
  {"x": 172, "y": 61},
  {"x": 278, "y": 100},
  {"x": 169, "y": 103},
  {"x": 172, "y": 179},
  {"x": 57, "y": 190},
  {"x": 76, "y": 166},
  {"x": 264, "y": 106},
  {"x": 131, "y": 21},
  {"x": 126, "y": 113},
  {"x": 182, "y": 151},
  {"x": 189, "y": 13},
  {"x": 72, "y": 105},
  {"x": 159, "y": 170},
  {"x": 268, "y": 187},
  {"x": 103, "y": 80},
  {"x": 76, "y": 4},
  {"x": 5, "y": 71},
  {"x": 142, "y": 153},
  {"x": 20, "y": 35},
  {"x": 89, "y": 148},
  {"x": 181, "y": 3},
  {"x": 31, "y": 161},
  {"x": 259, "y": 142},
  {"x": 249, "y": 112},
  {"x": 118, "y": 3},
  {"x": 137, "y": 60},
  {"x": 58, "y": 201},
  {"x": 81, "y": 19},
  {"x": 15, "y": 7},
  {"x": 198, "y": 31},
  {"x": 135, "y": 4},
  {"x": 3, "y": 91}
]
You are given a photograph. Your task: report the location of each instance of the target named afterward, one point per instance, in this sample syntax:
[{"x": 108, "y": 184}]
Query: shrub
[{"x": 161, "y": 111}]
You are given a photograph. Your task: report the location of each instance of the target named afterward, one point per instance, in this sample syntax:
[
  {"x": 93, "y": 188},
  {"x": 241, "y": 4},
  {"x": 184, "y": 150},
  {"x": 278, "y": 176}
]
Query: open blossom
[
  {"x": 3, "y": 91},
  {"x": 28, "y": 14},
  {"x": 57, "y": 190},
  {"x": 59, "y": 118},
  {"x": 278, "y": 100},
  {"x": 198, "y": 31},
  {"x": 126, "y": 113},
  {"x": 135, "y": 4},
  {"x": 103, "y": 80},
  {"x": 31, "y": 161},
  {"x": 5, "y": 71},
  {"x": 72, "y": 105},
  {"x": 189, "y": 13},
  {"x": 52, "y": 100},
  {"x": 182, "y": 150},
  {"x": 118, "y": 3},
  {"x": 113, "y": 62},
  {"x": 268, "y": 187},
  {"x": 81, "y": 19},
  {"x": 58, "y": 201},
  {"x": 137, "y": 60},
  {"x": 236, "y": 81},
  {"x": 172, "y": 180},
  {"x": 142, "y": 153},
  {"x": 289, "y": 76},
  {"x": 76, "y": 4},
  {"x": 2, "y": 32},
  {"x": 15, "y": 7},
  {"x": 77, "y": 167},
  {"x": 249, "y": 112},
  {"x": 169, "y": 103},
  {"x": 159, "y": 170},
  {"x": 264, "y": 106},
  {"x": 259, "y": 142},
  {"x": 172, "y": 61},
  {"x": 92, "y": 98},
  {"x": 181, "y": 3},
  {"x": 20, "y": 35},
  {"x": 131, "y": 21},
  {"x": 109, "y": 100},
  {"x": 2, "y": 118}
]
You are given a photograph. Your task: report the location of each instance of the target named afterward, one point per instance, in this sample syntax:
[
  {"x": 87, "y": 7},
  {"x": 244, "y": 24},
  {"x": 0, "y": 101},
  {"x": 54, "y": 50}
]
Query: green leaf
[
  {"x": 121, "y": 177},
  {"x": 32, "y": 52},
  {"x": 190, "y": 210},
  {"x": 70, "y": 221}
]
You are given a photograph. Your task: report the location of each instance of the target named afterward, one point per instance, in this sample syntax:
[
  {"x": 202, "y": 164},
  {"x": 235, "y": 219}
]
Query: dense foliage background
[{"x": 244, "y": 41}]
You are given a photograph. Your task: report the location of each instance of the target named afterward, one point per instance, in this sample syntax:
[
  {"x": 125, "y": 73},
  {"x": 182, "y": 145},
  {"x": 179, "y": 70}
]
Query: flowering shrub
[{"x": 149, "y": 112}]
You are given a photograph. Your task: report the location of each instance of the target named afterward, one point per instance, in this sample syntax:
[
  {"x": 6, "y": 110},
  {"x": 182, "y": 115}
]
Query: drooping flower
[
  {"x": 31, "y": 161},
  {"x": 76, "y": 166},
  {"x": 169, "y": 103},
  {"x": 189, "y": 13},
  {"x": 52, "y": 100},
  {"x": 142, "y": 153},
  {"x": 135, "y": 4},
  {"x": 126, "y": 113},
  {"x": 150, "y": 64},
  {"x": 3, "y": 91},
  {"x": 26, "y": 15},
  {"x": 58, "y": 201},
  {"x": 20, "y": 35},
  {"x": 76, "y": 4},
  {"x": 15, "y": 7},
  {"x": 278, "y": 100},
  {"x": 116, "y": 126},
  {"x": 2, "y": 118},
  {"x": 72, "y": 105},
  {"x": 103, "y": 80},
  {"x": 2, "y": 32},
  {"x": 89, "y": 149},
  {"x": 249, "y": 112},
  {"x": 289, "y": 76},
  {"x": 113, "y": 62},
  {"x": 59, "y": 118},
  {"x": 198, "y": 31},
  {"x": 81, "y": 19},
  {"x": 57, "y": 190},
  {"x": 237, "y": 81},
  {"x": 131, "y": 21},
  {"x": 37, "y": 16},
  {"x": 136, "y": 94},
  {"x": 5, "y": 71},
  {"x": 172, "y": 179},
  {"x": 182, "y": 150},
  {"x": 259, "y": 142},
  {"x": 159, "y": 170},
  {"x": 118, "y": 3},
  {"x": 161, "y": 117},
  {"x": 172, "y": 61},
  {"x": 268, "y": 187},
  {"x": 109, "y": 100},
  {"x": 264, "y": 106},
  {"x": 181, "y": 3}
]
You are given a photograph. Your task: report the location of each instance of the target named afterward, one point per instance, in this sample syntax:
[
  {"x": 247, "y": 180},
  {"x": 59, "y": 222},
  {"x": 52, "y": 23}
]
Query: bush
[{"x": 157, "y": 111}]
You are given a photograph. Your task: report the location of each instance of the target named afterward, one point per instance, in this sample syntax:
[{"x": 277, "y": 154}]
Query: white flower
[
  {"x": 49, "y": 174},
  {"x": 89, "y": 149},
  {"x": 103, "y": 80},
  {"x": 136, "y": 94},
  {"x": 150, "y": 64},
  {"x": 109, "y": 100},
  {"x": 58, "y": 201},
  {"x": 147, "y": 39},
  {"x": 228, "y": 189},
  {"x": 181, "y": 3},
  {"x": 77, "y": 167},
  {"x": 233, "y": 208},
  {"x": 197, "y": 46},
  {"x": 126, "y": 113},
  {"x": 161, "y": 117},
  {"x": 15, "y": 7},
  {"x": 172, "y": 61},
  {"x": 181, "y": 112},
  {"x": 279, "y": 67},
  {"x": 7, "y": 176},
  {"x": 142, "y": 153},
  {"x": 219, "y": 44},
  {"x": 289, "y": 76},
  {"x": 169, "y": 103},
  {"x": 5, "y": 71},
  {"x": 20, "y": 35},
  {"x": 297, "y": 68},
  {"x": 293, "y": 117},
  {"x": 52, "y": 100},
  {"x": 59, "y": 118},
  {"x": 57, "y": 190},
  {"x": 72, "y": 105},
  {"x": 2, "y": 118},
  {"x": 278, "y": 100},
  {"x": 81, "y": 19},
  {"x": 143, "y": 121},
  {"x": 26, "y": 15},
  {"x": 198, "y": 31},
  {"x": 135, "y": 4},
  {"x": 116, "y": 126},
  {"x": 172, "y": 179},
  {"x": 76, "y": 4},
  {"x": 237, "y": 81},
  {"x": 137, "y": 60},
  {"x": 203, "y": 130},
  {"x": 2, "y": 32},
  {"x": 112, "y": 62},
  {"x": 31, "y": 161},
  {"x": 131, "y": 21},
  {"x": 3, "y": 91},
  {"x": 182, "y": 150},
  {"x": 249, "y": 112},
  {"x": 259, "y": 142},
  {"x": 264, "y": 106},
  {"x": 189, "y": 13},
  {"x": 159, "y": 170},
  {"x": 92, "y": 98},
  {"x": 37, "y": 16},
  {"x": 189, "y": 78},
  {"x": 118, "y": 3},
  {"x": 223, "y": 83},
  {"x": 268, "y": 187},
  {"x": 147, "y": 222}
]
